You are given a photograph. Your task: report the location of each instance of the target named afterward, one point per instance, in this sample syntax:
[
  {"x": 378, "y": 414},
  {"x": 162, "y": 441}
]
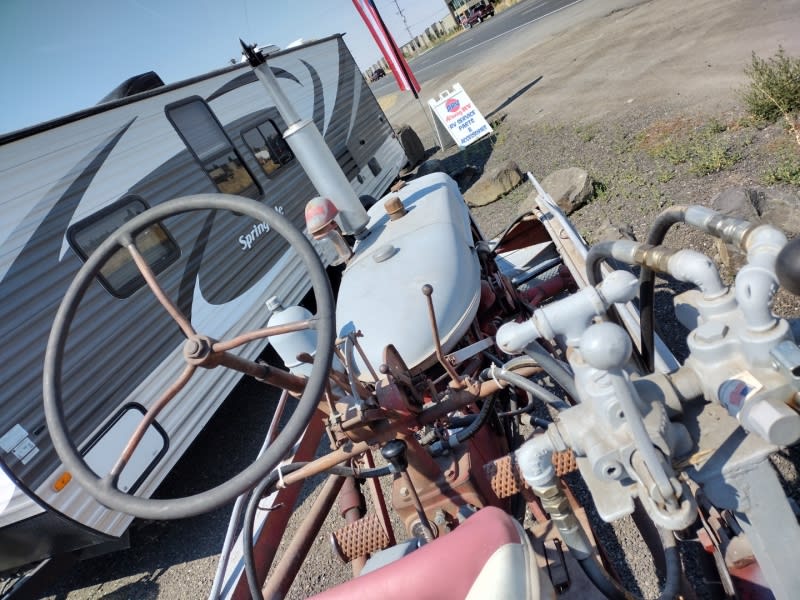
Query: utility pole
[{"x": 403, "y": 16}]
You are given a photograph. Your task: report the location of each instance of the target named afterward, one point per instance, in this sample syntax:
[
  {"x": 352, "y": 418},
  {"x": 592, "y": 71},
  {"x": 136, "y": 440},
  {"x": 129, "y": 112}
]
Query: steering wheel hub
[{"x": 197, "y": 349}]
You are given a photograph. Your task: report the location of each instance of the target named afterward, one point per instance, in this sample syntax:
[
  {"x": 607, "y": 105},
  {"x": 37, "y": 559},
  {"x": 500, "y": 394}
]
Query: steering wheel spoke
[
  {"x": 155, "y": 287},
  {"x": 198, "y": 351},
  {"x": 148, "y": 419},
  {"x": 262, "y": 333}
]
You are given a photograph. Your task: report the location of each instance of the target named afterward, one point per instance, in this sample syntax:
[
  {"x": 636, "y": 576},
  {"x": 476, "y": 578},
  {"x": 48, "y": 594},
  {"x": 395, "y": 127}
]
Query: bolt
[
  {"x": 404, "y": 492},
  {"x": 711, "y": 333}
]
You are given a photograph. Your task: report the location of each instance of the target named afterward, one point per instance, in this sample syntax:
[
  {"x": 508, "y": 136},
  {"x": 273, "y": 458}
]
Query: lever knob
[{"x": 395, "y": 454}]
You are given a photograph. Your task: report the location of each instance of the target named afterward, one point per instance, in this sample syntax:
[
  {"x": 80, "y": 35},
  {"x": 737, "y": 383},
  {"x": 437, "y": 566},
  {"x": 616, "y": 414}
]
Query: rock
[
  {"x": 411, "y": 144},
  {"x": 569, "y": 188},
  {"x": 432, "y": 165},
  {"x": 738, "y": 202},
  {"x": 781, "y": 209},
  {"x": 609, "y": 232},
  {"x": 773, "y": 206},
  {"x": 465, "y": 176},
  {"x": 495, "y": 184}
]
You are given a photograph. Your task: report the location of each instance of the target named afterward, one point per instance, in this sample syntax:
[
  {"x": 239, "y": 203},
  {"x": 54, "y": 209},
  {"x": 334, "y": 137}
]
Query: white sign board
[{"x": 459, "y": 116}]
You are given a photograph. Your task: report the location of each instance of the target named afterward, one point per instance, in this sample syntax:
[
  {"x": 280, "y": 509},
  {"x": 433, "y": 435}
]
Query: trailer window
[
  {"x": 210, "y": 145},
  {"x": 268, "y": 146},
  {"x": 119, "y": 275}
]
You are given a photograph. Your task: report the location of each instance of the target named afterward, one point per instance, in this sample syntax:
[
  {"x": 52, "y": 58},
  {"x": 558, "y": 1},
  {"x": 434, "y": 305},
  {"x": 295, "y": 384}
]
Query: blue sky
[{"x": 60, "y": 56}]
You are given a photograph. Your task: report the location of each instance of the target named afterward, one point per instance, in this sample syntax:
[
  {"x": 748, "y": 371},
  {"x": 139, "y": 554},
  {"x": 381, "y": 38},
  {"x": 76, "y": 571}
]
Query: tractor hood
[{"x": 381, "y": 290}]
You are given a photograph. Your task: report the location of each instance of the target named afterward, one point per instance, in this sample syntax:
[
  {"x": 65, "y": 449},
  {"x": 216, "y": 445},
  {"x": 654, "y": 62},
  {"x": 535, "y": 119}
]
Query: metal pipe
[
  {"x": 427, "y": 532},
  {"x": 534, "y": 389},
  {"x": 239, "y": 505},
  {"x": 313, "y": 152},
  {"x": 286, "y": 570}
]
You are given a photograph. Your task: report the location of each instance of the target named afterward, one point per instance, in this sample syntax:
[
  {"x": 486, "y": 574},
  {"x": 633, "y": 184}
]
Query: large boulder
[
  {"x": 780, "y": 208},
  {"x": 494, "y": 184},
  {"x": 570, "y": 188},
  {"x": 411, "y": 144},
  {"x": 775, "y": 207},
  {"x": 737, "y": 202}
]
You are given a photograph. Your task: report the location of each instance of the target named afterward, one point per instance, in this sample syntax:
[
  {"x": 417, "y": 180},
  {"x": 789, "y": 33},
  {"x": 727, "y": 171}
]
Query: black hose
[
  {"x": 511, "y": 225},
  {"x": 611, "y": 589},
  {"x": 647, "y": 283},
  {"x": 473, "y": 427},
  {"x": 536, "y": 390},
  {"x": 553, "y": 367},
  {"x": 263, "y": 489},
  {"x": 594, "y": 259}
]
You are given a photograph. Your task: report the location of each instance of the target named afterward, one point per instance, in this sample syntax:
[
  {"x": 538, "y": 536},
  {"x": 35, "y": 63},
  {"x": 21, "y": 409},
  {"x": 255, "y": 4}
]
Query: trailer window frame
[
  {"x": 280, "y": 156},
  {"x": 208, "y": 162},
  {"x": 169, "y": 250}
]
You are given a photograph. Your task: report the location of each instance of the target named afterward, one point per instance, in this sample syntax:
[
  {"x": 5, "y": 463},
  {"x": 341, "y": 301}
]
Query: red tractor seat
[{"x": 487, "y": 556}]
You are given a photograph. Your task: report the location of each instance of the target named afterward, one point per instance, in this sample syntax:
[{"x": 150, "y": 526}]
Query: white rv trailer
[{"x": 70, "y": 182}]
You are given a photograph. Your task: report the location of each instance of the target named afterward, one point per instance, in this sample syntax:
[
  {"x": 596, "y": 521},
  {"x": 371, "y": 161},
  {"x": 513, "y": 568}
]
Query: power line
[{"x": 403, "y": 16}]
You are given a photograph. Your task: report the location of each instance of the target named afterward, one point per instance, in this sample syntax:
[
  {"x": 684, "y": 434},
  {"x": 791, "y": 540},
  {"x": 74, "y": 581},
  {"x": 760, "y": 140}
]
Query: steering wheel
[{"x": 199, "y": 351}]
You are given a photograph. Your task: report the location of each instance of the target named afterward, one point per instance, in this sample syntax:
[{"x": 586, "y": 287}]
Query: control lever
[{"x": 395, "y": 454}]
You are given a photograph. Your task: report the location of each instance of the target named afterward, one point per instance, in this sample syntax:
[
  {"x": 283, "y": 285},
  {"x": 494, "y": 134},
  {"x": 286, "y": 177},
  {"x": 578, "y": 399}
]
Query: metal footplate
[
  {"x": 506, "y": 479},
  {"x": 360, "y": 538}
]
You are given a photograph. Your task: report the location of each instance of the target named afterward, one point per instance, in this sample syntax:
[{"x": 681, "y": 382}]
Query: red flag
[{"x": 397, "y": 62}]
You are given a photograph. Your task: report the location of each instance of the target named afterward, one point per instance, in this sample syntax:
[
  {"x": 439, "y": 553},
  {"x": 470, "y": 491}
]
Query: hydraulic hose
[
  {"x": 557, "y": 505},
  {"x": 265, "y": 488},
  {"x": 611, "y": 589},
  {"x": 552, "y": 367},
  {"x": 536, "y": 390},
  {"x": 647, "y": 283},
  {"x": 470, "y": 430}
]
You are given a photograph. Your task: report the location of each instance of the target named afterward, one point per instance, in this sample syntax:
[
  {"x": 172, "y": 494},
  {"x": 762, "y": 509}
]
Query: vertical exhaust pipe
[{"x": 310, "y": 148}]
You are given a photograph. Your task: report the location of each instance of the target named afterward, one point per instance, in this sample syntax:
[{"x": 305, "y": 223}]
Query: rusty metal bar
[
  {"x": 329, "y": 460},
  {"x": 291, "y": 561},
  {"x": 270, "y": 533},
  {"x": 148, "y": 419},
  {"x": 272, "y": 432},
  {"x": 427, "y": 290},
  {"x": 258, "y": 334},
  {"x": 262, "y": 372},
  {"x": 378, "y": 500},
  {"x": 155, "y": 287}
]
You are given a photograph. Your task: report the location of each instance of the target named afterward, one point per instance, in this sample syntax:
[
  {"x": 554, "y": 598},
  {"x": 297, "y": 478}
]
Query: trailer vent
[{"x": 134, "y": 85}]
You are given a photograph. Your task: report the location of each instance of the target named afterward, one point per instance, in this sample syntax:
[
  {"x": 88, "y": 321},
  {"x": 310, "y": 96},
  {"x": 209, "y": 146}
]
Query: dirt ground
[
  {"x": 643, "y": 94},
  {"x": 605, "y": 59}
]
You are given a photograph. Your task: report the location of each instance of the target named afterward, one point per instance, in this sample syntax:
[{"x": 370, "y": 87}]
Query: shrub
[
  {"x": 785, "y": 170},
  {"x": 774, "y": 88}
]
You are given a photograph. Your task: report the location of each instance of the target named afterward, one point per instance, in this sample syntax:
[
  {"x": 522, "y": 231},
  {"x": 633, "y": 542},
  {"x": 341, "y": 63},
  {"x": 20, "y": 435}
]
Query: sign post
[{"x": 459, "y": 117}]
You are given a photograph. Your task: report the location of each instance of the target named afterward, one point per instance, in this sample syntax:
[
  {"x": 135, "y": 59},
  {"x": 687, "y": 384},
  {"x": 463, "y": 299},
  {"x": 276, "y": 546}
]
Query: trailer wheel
[{"x": 199, "y": 351}]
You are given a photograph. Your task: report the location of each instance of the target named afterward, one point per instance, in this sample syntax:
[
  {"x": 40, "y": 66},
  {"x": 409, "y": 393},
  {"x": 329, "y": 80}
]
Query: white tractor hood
[{"x": 381, "y": 290}]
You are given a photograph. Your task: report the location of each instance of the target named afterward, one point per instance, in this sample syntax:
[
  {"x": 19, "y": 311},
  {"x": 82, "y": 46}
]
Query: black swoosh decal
[
  {"x": 246, "y": 78},
  {"x": 319, "y": 97},
  {"x": 186, "y": 289},
  {"x": 50, "y": 232}
]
